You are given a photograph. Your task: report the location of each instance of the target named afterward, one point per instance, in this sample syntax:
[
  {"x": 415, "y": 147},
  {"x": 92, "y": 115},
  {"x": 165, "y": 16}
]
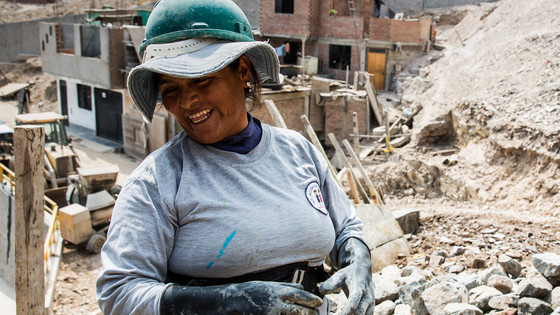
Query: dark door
[
  {"x": 63, "y": 100},
  {"x": 108, "y": 114}
]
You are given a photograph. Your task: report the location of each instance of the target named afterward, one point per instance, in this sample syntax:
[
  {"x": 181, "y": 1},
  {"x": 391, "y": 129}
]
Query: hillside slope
[{"x": 494, "y": 95}]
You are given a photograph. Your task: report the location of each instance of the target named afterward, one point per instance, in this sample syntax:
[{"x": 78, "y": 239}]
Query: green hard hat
[{"x": 174, "y": 20}]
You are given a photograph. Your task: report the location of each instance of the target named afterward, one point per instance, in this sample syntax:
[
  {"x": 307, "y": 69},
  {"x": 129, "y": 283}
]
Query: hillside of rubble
[{"x": 488, "y": 132}]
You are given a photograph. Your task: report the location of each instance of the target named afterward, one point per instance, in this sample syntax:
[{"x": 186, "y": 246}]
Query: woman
[{"x": 230, "y": 216}]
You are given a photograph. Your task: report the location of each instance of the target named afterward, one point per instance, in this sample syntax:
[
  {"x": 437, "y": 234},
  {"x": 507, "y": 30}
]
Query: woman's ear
[{"x": 244, "y": 69}]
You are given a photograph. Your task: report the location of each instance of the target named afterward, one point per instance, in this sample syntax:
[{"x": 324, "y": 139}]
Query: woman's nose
[{"x": 189, "y": 97}]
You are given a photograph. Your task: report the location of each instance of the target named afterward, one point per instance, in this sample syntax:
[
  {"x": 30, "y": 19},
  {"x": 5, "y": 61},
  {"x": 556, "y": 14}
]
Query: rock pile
[{"x": 499, "y": 289}]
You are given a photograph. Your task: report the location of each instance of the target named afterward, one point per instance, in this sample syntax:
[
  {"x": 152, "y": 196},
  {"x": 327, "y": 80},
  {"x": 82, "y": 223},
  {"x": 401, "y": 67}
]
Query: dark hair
[{"x": 252, "y": 93}]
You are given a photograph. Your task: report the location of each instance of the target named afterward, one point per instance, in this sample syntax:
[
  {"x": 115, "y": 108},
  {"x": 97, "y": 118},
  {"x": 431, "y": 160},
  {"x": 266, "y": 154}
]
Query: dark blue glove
[
  {"x": 354, "y": 277},
  {"x": 253, "y": 297}
]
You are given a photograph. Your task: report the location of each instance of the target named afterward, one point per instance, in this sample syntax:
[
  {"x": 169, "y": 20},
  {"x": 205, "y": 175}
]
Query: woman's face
[{"x": 209, "y": 108}]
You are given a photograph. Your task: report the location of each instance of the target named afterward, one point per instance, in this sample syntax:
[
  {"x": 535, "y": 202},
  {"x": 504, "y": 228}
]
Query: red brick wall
[
  {"x": 342, "y": 27},
  {"x": 284, "y": 23},
  {"x": 396, "y": 30},
  {"x": 291, "y": 109},
  {"x": 339, "y": 121},
  {"x": 406, "y": 31},
  {"x": 380, "y": 29}
]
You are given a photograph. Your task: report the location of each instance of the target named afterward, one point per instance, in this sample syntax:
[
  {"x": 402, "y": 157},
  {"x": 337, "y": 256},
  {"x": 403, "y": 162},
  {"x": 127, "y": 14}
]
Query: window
[
  {"x": 339, "y": 56},
  {"x": 284, "y": 6},
  {"x": 91, "y": 41},
  {"x": 84, "y": 96}
]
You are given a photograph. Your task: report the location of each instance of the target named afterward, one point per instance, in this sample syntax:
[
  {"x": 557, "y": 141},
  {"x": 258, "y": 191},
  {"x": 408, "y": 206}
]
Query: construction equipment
[
  {"x": 86, "y": 194},
  {"x": 6, "y": 145},
  {"x": 91, "y": 195},
  {"x": 60, "y": 158}
]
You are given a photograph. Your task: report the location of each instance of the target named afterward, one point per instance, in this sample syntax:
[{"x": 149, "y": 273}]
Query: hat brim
[{"x": 142, "y": 78}]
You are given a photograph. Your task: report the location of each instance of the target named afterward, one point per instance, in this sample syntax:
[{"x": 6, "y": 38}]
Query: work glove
[
  {"x": 354, "y": 277},
  {"x": 253, "y": 297}
]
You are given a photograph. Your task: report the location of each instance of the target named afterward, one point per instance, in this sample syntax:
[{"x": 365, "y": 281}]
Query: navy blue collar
[{"x": 243, "y": 142}]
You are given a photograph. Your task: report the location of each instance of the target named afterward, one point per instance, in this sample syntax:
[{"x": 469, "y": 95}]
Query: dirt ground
[{"x": 491, "y": 105}]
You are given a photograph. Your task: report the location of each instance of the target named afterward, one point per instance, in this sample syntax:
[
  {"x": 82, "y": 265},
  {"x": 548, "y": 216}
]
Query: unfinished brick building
[{"x": 344, "y": 34}]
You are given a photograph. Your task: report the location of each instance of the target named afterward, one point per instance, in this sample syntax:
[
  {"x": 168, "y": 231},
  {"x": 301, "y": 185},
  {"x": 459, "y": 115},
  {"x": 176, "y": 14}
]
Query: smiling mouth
[{"x": 200, "y": 116}]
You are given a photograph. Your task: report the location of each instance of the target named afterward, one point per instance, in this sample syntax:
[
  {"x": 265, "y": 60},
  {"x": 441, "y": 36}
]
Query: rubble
[{"x": 451, "y": 294}]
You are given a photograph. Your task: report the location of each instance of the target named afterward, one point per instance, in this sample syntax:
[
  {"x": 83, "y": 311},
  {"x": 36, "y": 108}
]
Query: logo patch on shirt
[{"x": 313, "y": 194}]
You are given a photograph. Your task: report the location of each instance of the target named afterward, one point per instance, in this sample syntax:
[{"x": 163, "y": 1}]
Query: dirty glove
[
  {"x": 354, "y": 278},
  {"x": 253, "y": 297}
]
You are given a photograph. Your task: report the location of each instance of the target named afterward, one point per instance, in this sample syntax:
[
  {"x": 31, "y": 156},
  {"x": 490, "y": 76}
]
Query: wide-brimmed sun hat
[
  {"x": 192, "y": 39},
  {"x": 194, "y": 58}
]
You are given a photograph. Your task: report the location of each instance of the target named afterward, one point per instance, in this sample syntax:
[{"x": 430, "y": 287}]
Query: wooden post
[
  {"x": 355, "y": 130},
  {"x": 373, "y": 193},
  {"x": 275, "y": 113},
  {"x": 315, "y": 140},
  {"x": 29, "y": 156}
]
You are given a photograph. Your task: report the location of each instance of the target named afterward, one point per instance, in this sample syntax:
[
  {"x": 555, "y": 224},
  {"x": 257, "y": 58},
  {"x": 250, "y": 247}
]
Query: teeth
[{"x": 200, "y": 116}]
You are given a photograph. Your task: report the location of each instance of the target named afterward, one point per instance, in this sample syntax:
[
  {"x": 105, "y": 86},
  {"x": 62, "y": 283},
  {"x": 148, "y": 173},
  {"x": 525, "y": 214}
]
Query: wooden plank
[
  {"x": 12, "y": 88},
  {"x": 29, "y": 142},
  {"x": 391, "y": 129},
  {"x": 275, "y": 114},
  {"x": 372, "y": 191},
  {"x": 356, "y": 132},
  {"x": 315, "y": 140},
  {"x": 377, "y": 110},
  {"x": 352, "y": 186},
  {"x": 137, "y": 37},
  {"x": 340, "y": 153}
]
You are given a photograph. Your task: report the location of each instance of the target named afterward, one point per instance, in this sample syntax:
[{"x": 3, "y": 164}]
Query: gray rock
[
  {"x": 436, "y": 260},
  {"x": 385, "y": 308},
  {"x": 457, "y": 250},
  {"x": 407, "y": 219},
  {"x": 411, "y": 294},
  {"x": 384, "y": 289},
  {"x": 504, "y": 302},
  {"x": 469, "y": 280},
  {"x": 554, "y": 298},
  {"x": 461, "y": 309},
  {"x": 441, "y": 252},
  {"x": 532, "y": 306},
  {"x": 455, "y": 269},
  {"x": 403, "y": 309},
  {"x": 548, "y": 264},
  {"x": 480, "y": 296},
  {"x": 534, "y": 286},
  {"x": 437, "y": 296},
  {"x": 502, "y": 283},
  {"x": 485, "y": 274},
  {"x": 510, "y": 265},
  {"x": 391, "y": 273}
]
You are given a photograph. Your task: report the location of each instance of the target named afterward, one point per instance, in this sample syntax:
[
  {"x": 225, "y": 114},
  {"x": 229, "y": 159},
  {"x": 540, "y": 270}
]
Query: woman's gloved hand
[
  {"x": 253, "y": 297},
  {"x": 354, "y": 277}
]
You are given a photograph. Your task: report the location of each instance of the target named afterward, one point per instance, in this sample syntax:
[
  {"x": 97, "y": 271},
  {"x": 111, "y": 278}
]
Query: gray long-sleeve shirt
[{"x": 202, "y": 212}]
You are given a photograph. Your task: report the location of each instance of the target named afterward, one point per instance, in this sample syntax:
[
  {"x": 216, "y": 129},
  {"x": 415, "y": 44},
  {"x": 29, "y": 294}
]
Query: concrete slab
[{"x": 7, "y": 298}]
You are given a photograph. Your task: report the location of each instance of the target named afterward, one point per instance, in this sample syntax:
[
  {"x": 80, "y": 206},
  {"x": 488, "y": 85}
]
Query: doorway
[
  {"x": 376, "y": 62},
  {"x": 108, "y": 114}
]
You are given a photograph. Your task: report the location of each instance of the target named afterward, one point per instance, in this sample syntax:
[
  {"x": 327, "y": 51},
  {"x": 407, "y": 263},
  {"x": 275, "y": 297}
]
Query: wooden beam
[
  {"x": 340, "y": 153},
  {"x": 276, "y": 116},
  {"x": 356, "y": 132},
  {"x": 29, "y": 142},
  {"x": 315, "y": 140},
  {"x": 377, "y": 110},
  {"x": 372, "y": 191}
]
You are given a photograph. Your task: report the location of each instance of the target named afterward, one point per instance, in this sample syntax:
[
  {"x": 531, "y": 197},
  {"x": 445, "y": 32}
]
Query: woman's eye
[{"x": 168, "y": 91}]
